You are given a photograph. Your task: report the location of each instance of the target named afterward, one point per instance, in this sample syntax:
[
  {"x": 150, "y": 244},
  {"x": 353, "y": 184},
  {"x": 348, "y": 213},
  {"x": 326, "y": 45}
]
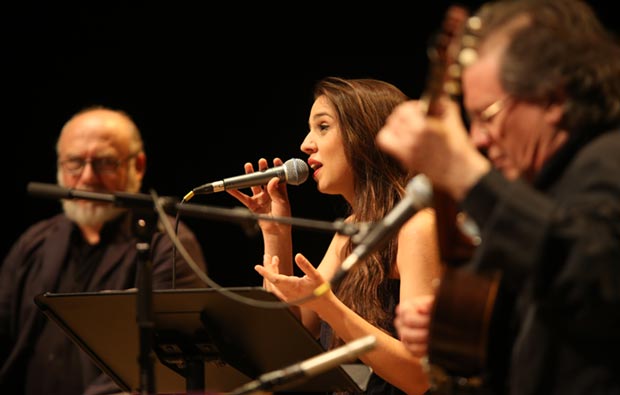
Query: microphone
[
  {"x": 293, "y": 171},
  {"x": 309, "y": 367},
  {"x": 419, "y": 195},
  {"x": 118, "y": 198}
]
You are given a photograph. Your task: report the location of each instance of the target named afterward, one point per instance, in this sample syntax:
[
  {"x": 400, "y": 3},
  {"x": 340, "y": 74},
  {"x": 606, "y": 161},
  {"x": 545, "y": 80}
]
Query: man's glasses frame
[
  {"x": 485, "y": 117},
  {"x": 100, "y": 165}
]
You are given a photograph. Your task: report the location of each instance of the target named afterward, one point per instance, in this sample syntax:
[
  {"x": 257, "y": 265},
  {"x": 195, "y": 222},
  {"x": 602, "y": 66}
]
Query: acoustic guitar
[{"x": 463, "y": 357}]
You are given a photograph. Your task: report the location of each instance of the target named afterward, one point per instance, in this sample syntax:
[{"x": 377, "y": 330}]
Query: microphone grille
[
  {"x": 296, "y": 171},
  {"x": 420, "y": 190}
]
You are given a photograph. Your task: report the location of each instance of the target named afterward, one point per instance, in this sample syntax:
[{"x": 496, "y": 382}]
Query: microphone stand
[
  {"x": 172, "y": 206},
  {"x": 144, "y": 226}
]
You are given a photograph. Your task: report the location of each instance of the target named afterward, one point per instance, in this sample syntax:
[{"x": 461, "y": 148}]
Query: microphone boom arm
[{"x": 172, "y": 206}]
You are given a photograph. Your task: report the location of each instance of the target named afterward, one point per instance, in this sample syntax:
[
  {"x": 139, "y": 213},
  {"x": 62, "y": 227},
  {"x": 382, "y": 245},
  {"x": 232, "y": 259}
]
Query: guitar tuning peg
[
  {"x": 469, "y": 41},
  {"x": 454, "y": 71},
  {"x": 452, "y": 88},
  {"x": 473, "y": 24},
  {"x": 467, "y": 56}
]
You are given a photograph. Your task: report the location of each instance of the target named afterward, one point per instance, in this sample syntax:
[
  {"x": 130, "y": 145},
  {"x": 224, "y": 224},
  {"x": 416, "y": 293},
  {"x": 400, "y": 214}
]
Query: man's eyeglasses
[
  {"x": 101, "y": 165},
  {"x": 485, "y": 116}
]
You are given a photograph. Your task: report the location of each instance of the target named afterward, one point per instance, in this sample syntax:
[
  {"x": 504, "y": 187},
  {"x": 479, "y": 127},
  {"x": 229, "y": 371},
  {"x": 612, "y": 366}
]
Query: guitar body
[
  {"x": 459, "y": 331},
  {"x": 470, "y": 336}
]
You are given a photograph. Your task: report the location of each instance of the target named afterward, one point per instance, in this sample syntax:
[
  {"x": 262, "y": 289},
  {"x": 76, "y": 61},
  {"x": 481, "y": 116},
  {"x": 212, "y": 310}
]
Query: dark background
[{"x": 211, "y": 86}]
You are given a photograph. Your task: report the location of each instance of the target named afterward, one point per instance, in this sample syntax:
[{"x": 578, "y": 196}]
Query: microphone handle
[
  {"x": 336, "y": 357},
  {"x": 249, "y": 180},
  {"x": 309, "y": 367},
  {"x": 55, "y": 191},
  {"x": 419, "y": 195},
  {"x": 381, "y": 232},
  {"x": 119, "y": 198},
  {"x": 242, "y": 181}
]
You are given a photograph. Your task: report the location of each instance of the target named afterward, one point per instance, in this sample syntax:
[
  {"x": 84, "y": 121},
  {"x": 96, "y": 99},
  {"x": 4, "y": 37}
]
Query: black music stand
[{"x": 205, "y": 341}]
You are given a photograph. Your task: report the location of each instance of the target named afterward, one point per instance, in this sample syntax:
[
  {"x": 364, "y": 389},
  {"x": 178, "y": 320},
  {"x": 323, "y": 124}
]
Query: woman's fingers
[{"x": 249, "y": 169}]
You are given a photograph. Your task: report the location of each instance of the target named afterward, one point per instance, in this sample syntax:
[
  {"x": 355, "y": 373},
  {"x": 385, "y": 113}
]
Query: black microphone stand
[
  {"x": 145, "y": 217},
  {"x": 144, "y": 226},
  {"x": 172, "y": 206}
]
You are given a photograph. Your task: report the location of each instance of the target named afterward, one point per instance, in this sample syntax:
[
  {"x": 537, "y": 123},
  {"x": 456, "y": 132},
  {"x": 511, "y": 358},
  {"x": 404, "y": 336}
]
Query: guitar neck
[
  {"x": 455, "y": 247},
  {"x": 444, "y": 81}
]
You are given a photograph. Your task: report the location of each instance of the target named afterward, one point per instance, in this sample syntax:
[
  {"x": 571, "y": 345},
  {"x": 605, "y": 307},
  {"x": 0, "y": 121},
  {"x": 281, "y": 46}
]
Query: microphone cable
[{"x": 170, "y": 231}]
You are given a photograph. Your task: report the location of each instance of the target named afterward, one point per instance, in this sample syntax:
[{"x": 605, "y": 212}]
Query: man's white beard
[
  {"x": 90, "y": 214},
  {"x": 87, "y": 213}
]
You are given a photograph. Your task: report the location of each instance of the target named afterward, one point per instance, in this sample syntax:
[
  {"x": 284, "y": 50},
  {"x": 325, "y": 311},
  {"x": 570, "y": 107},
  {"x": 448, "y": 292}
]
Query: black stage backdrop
[{"x": 210, "y": 87}]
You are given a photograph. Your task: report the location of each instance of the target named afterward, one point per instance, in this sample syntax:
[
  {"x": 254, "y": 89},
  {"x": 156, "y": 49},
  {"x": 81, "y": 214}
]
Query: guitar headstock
[{"x": 451, "y": 50}]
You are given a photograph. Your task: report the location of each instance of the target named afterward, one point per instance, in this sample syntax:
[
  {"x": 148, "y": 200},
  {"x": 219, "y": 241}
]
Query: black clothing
[
  {"x": 36, "y": 356},
  {"x": 558, "y": 247},
  {"x": 376, "y": 385}
]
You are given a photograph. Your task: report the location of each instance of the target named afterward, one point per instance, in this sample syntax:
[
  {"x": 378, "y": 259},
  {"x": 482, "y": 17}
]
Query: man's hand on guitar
[
  {"x": 437, "y": 145},
  {"x": 412, "y": 323}
]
